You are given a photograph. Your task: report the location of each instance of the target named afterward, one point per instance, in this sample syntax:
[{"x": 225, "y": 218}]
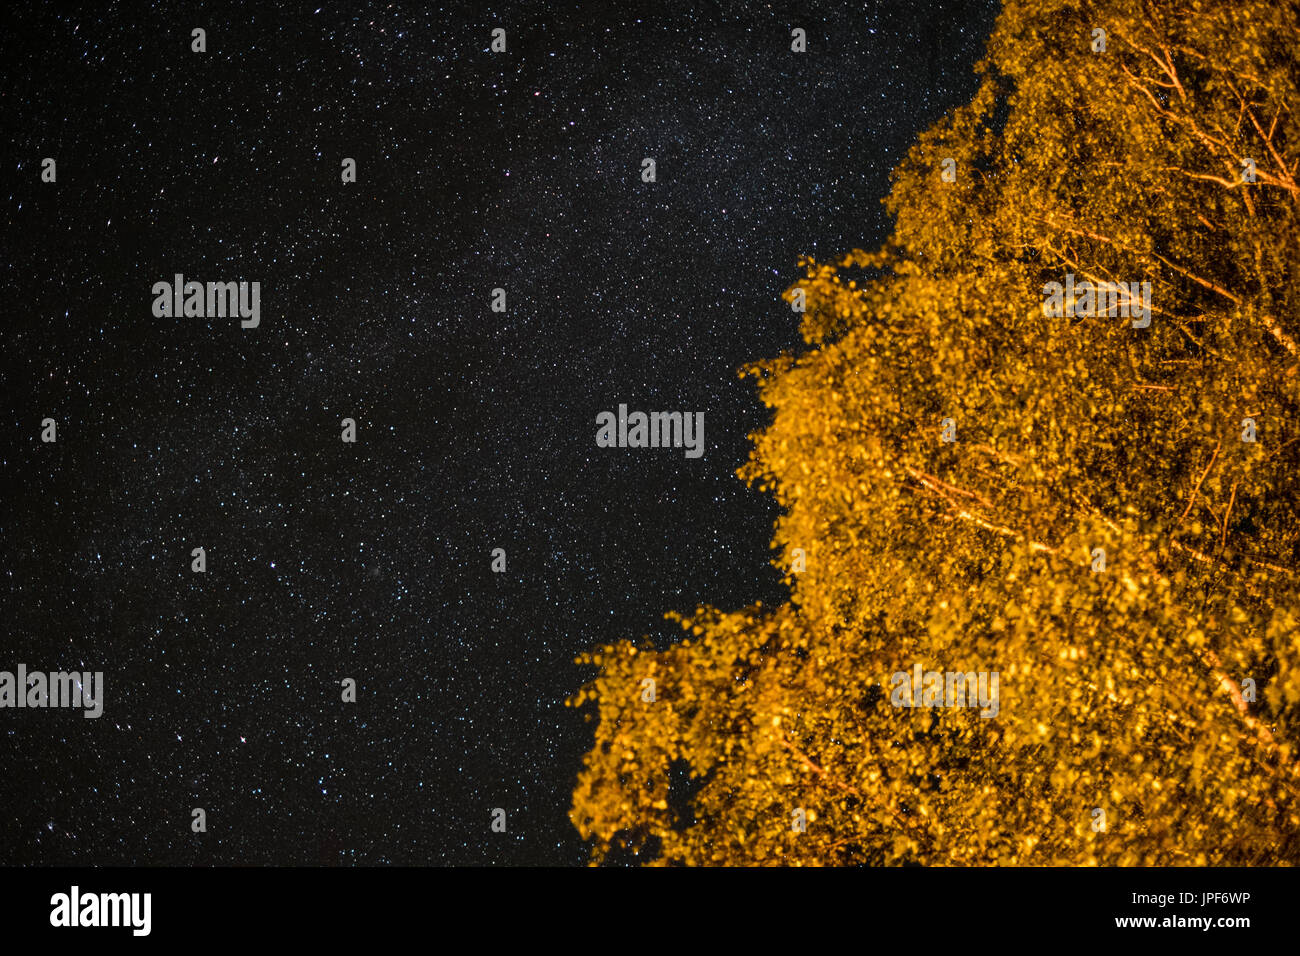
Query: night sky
[{"x": 475, "y": 429}]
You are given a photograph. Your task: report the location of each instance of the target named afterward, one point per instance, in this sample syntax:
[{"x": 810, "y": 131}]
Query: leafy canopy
[{"x": 1120, "y": 689}]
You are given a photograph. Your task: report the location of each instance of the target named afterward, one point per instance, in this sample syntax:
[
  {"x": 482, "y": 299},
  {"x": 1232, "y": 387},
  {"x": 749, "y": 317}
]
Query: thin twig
[{"x": 1192, "y": 500}]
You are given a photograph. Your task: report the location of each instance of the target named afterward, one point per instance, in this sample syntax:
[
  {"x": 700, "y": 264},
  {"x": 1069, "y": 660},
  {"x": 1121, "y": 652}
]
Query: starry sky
[{"x": 475, "y": 429}]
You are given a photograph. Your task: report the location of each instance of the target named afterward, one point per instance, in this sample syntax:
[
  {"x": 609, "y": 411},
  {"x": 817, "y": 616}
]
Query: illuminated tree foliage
[{"x": 1120, "y": 689}]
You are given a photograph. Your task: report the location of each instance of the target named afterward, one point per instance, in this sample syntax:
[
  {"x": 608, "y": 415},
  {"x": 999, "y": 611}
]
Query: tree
[{"x": 1128, "y": 730}]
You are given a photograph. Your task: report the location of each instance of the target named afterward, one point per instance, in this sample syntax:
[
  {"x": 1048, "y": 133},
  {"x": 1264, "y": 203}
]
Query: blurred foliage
[{"x": 1119, "y": 689}]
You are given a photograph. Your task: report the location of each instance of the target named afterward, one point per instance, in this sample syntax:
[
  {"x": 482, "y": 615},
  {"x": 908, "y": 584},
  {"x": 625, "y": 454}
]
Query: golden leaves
[{"x": 1121, "y": 690}]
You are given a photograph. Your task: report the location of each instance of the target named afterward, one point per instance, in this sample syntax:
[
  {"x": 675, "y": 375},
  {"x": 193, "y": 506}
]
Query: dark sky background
[{"x": 476, "y": 429}]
